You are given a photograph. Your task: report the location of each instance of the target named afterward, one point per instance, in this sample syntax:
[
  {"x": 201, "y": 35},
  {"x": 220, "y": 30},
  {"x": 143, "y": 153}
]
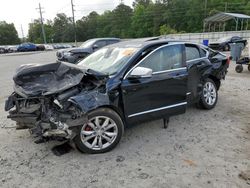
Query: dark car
[
  {"x": 129, "y": 82},
  {"x": 73, "y": 55},
  {"x": 40, "y": 47},
  {"x": 3, "y": 50},
  {"x": 223, "y": 44},
  {"x": 26, "y": 47}
]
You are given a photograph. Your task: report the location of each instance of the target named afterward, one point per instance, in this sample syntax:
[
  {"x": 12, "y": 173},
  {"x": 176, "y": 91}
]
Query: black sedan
[
  {"x": 73, "y": 55},
  {"x": 223, "y": 44},
  {"x": 125, "y": 83}
]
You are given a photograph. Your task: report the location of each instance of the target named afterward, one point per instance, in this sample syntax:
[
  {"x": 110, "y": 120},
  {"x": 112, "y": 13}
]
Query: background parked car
[
  {"x": 26, "y": 47},
  {"x": 73, "y": 55},
  {"x": 12, "y": 49},
  {"x": 224, "y": 43},
  {"x": 48, "y": 47},
  {"x": 40, "y": 47},
  {"x": 3, "y": 50}
]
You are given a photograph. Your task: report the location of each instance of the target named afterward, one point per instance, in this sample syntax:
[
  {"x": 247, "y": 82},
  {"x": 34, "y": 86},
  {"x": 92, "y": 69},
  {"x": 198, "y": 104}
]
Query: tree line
[
  {"x": 8, "y": 34},
  {"x": 144, "y": 19}
]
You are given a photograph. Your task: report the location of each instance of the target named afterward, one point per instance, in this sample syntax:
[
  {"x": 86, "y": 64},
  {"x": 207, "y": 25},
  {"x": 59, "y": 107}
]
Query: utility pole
[
  {"x": 41, "y": 18},
  {"x": 74, "y": 24},
  {"x": 205, "y": 12},
  {"x": 22, "y": 33},
  {"x": 225, "y": 6}
]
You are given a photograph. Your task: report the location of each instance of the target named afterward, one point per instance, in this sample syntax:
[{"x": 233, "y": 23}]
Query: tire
[
  {"x": 248, "y": 67},
  {"x": 209, "y": 95},
  {"x": 239, "y": 68},
  {"x": 227, "y": 47},
  {"x": 93, "y": 140}
]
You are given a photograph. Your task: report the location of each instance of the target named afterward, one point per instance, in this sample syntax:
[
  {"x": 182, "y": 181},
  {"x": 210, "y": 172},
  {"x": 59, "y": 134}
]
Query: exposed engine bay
[{"x": 47, "y": 99}]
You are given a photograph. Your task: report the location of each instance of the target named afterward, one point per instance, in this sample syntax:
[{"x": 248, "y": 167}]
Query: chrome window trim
[
  {"x": 171, "y": 44},
  {"x": 170, "y": 70},
  {"x": 158, "y": 109},
  {"x": 196, "y": 59},
  {"x": 197, "y": 46}
]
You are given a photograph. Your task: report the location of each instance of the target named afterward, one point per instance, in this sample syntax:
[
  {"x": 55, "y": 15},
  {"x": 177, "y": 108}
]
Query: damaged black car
[{"x": 92, "y": 102}]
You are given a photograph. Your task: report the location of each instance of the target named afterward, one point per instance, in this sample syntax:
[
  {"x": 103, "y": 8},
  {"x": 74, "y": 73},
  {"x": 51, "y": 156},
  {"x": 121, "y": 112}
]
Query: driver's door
[{"x": 162, "y": 94}]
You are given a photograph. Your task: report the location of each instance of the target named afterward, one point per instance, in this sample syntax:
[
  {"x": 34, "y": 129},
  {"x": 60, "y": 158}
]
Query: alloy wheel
[
  {"x": 209, "y": 93},
  {"x": 99, "y": 133}
]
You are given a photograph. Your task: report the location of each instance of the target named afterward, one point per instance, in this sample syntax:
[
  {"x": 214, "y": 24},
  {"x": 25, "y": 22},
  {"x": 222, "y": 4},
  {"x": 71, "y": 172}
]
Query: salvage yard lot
[{"x": 199, "y": 149}]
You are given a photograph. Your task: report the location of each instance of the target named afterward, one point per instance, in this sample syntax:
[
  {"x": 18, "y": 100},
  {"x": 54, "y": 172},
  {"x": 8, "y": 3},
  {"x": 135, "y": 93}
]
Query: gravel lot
[{"x": 199, "y": 149}]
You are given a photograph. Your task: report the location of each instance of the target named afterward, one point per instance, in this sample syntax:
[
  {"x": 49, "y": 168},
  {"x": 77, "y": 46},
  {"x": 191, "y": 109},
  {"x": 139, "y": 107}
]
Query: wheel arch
[
  {"x": 115, "y": 109},
  {"x": 216, "y": 81}
]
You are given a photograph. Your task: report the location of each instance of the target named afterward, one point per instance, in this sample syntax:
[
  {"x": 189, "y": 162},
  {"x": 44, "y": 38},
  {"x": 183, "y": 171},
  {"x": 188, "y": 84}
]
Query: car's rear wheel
[
  {"x": 248, "y": 67},
  {"x": 209, "y": 96},
  {"x": 239, "y": 68},
  {"x": 101, "y": 133}
]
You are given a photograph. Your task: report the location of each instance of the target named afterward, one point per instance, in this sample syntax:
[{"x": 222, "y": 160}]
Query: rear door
[
  {"x": 163, "y": 94},
  {"x": 197, "y": 62}
]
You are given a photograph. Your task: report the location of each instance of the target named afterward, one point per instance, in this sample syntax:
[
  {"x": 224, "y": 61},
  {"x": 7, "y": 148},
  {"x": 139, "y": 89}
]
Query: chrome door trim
[
  {"x": 170, "y": 70},
  {"x": 158, "y": 109}
]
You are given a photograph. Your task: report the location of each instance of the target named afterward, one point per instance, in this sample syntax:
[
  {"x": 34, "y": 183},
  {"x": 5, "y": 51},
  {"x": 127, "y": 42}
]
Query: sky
[{"x": 22, "y": 12}]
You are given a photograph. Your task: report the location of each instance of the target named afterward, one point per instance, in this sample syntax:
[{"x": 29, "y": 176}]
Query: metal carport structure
[{"x": 219, "y": 21}]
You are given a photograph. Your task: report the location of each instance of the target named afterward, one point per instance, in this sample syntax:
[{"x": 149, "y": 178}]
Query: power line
[{"x": 41, "y": 18}]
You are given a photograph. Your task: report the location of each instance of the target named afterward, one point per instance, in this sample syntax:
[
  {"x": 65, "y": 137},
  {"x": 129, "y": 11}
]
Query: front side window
[
  {"x": 166, "y": 58},
  {"x": 192, "y": 53}
]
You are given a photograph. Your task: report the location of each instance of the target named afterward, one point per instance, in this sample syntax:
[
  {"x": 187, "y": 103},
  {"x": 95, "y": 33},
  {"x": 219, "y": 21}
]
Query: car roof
[
  {"x": 143, "y": 42},
  {"x": 111, "y": 38}
]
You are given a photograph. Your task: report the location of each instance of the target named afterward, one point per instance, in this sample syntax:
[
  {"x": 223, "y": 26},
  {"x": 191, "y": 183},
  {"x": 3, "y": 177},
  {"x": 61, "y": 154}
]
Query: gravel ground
[{"x": 199, "y": 149}]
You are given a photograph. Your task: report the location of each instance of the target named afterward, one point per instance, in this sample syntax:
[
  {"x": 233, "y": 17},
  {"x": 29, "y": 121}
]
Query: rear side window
[
  {"x": 111, "y": 41},
  {"x": 192, "y": 53},
  {"x": 101, "y": 43}
]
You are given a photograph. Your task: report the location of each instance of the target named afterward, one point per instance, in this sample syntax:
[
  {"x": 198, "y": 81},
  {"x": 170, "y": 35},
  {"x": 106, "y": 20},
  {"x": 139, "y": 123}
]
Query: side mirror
[
  {"x": 95, "y": 46},
  {"x": 141, "y": 72}
]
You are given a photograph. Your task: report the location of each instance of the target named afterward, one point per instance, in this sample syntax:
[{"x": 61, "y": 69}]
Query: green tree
[
  {"x": 62, "y": 29},
  {"x": 165, "y": 29},
  {"x": 8, "y": 34},
  {"x": 35, "y": 32},
  {"x": 121, "y": 21}
]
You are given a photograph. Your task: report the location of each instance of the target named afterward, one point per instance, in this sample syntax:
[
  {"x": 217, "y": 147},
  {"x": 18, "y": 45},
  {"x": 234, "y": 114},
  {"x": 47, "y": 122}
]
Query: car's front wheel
[
  {"x": 101, "y": 133},
  {"x": 209, "y": 95}
]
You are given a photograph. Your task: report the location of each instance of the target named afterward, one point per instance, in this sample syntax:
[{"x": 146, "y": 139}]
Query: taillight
[{"x": 228, "y": 60}]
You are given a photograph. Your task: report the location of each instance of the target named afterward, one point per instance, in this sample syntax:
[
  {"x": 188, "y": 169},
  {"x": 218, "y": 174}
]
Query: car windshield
[
  {"x": 87, "y": 43},
  {"x": 108, "y": 60}
]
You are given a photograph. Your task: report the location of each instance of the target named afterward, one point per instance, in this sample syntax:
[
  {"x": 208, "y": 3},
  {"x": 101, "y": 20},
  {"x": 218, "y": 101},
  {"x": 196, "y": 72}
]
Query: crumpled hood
[{"x": 37, "y": 79}]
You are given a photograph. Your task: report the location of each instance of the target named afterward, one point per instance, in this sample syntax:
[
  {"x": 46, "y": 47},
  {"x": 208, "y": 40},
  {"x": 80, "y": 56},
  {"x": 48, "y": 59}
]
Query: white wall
[{"x": 211, "y": 36}]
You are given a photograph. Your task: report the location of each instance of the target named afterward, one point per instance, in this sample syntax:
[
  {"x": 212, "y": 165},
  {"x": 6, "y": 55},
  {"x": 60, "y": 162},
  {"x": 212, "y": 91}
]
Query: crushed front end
[{"x": 45, "y": 99}]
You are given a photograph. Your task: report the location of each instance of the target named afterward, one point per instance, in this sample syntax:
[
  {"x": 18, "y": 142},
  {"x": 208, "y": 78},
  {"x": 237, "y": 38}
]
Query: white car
[{"x": 48, "y": 47}]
